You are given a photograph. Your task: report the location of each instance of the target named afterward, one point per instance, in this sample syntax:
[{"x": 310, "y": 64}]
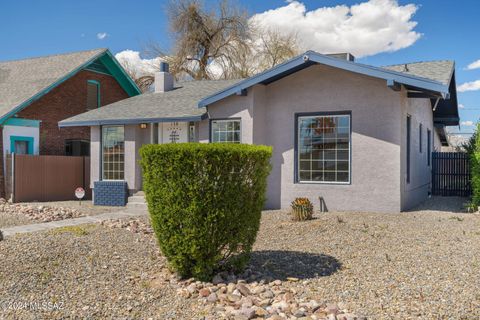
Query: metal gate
[{"x": 451, "y": 174}]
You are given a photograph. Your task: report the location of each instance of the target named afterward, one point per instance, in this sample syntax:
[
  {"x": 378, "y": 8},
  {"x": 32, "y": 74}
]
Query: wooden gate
[
  {"x": 49, "y": 178},
  {"x": 451, "y": 174}
]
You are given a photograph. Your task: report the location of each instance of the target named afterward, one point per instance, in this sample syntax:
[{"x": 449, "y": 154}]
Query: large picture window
[
  {"x": 323, "y": 148},
  {"x": 225, "y": 131},
  {"x": 113, "y": 152}
]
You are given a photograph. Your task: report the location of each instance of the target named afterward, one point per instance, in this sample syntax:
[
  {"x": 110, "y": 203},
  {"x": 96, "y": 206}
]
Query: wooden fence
[
  {"x": 47, "y": 178},
  {"x": 451, "y": 174}
]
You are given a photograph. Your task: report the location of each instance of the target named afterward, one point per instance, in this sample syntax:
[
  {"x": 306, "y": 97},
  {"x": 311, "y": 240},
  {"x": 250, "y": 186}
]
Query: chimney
[
  {"x": 163, "y": 79},
  {"x": 344, "y": 56}
]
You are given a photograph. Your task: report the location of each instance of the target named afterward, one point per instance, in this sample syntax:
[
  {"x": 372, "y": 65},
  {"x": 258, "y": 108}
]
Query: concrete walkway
[{"x": 8, "y": 232}]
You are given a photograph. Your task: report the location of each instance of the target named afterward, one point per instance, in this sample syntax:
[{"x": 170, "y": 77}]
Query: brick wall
[
  {"x": 110, "y": 193},
  {"x": 67, "y": 100}
]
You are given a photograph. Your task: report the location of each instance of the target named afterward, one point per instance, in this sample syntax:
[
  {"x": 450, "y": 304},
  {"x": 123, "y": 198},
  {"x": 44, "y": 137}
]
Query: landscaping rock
[
  {"x": 134, "y": 225},
  {"x": 39, "y": 213}
]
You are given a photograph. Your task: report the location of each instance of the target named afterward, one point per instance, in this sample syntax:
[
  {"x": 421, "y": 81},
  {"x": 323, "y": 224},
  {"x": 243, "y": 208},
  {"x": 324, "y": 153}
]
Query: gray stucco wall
[
  {"x": 416, "y": 191},
  {"x": 376, "y": 135}
]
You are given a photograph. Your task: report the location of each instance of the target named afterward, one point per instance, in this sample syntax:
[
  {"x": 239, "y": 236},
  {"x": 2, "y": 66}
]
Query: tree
[
  {"x": 219, "y": 43},
  {"x": 203, "y": 36}
]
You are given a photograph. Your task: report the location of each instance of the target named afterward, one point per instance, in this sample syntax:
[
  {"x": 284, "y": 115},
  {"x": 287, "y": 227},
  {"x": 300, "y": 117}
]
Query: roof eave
[
  {"x": 309, "y": 57},
  {"x": 100, "y": 122}
]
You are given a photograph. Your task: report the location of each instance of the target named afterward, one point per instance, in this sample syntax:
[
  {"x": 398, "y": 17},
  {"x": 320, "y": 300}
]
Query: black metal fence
[{"x": 451, "y": 174}]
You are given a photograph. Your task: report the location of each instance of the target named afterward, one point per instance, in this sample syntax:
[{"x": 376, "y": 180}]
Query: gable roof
[
  {"x": 179, "y": 104},
  {"x": 309, "y": 58},
  {"x": 24, "y": 81}
]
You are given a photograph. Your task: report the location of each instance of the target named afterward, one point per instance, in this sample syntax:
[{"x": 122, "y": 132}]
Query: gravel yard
[
  {"x": 18, "y": 214},
  {"x": 414, "y": 265}
]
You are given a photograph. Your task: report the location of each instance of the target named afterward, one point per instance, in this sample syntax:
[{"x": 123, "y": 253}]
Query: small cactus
[{"x": 302, "y": 209}]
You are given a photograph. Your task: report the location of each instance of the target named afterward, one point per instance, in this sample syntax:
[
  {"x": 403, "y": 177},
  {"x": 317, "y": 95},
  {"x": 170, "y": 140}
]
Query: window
[
  {"x": 323, "y": 148},
  {"x": 420, "y": 137},
  {"x": 113, "y": 153},
  {"x": 429, "y": 146},
  {"x": 225, "y": 131},
  {"x": 77, "y": 147},
  {"x": 93, "y": 94},
  {"x": 21, "y": 144},
  {"x": 21, "y": 147},
  {"x": 409, "y": 125}
]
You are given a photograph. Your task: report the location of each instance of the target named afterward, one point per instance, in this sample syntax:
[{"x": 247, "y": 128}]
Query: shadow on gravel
[{"x": 282, "y": 264}]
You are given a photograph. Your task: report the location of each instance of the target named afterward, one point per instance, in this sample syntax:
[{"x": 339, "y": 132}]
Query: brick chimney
[{"x": 163, "y": 79}]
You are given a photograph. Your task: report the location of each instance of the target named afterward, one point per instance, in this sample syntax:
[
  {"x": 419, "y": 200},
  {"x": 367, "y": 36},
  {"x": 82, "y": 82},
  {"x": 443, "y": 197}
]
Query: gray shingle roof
[
  {"x": 440, "y": 70},
  {"x": 21, "y": 80},
  {"x": 180, "y": 103}
]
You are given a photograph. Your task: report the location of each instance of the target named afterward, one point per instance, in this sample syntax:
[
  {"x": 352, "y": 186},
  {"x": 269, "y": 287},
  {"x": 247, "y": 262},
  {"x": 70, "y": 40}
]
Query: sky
[{"x": 378, "y": 32}]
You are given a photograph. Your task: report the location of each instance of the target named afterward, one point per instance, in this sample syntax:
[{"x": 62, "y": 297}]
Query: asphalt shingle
[
  {"x": 440, "y": 70},
  {"x": 20, "y": 80},
  {"x": 178, "y": 103}
]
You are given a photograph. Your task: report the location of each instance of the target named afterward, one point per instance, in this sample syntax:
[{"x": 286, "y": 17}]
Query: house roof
[
  {"x": 431, "y": 79},
  {"x": 179, "y": 104},
  {"x": 24, "y": 81},
  {"x": 440, "y": 70},
  {"x": 309, "y": 58}
]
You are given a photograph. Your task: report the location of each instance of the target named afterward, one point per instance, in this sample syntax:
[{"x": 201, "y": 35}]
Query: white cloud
[
  {"x": 474, "y": 65},
  {"x": 461, "y": 106},
  {"x": 467, "y": 123},
  {"x": 469, "y": 86},
  {"x": 102, "y": 35},
  {"x": 136, "y": 65},
  {"x": 363, "y": 29}
]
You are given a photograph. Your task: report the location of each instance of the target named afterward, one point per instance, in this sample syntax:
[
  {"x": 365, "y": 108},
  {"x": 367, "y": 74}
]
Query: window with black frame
[{"x": 323, "y": 148}]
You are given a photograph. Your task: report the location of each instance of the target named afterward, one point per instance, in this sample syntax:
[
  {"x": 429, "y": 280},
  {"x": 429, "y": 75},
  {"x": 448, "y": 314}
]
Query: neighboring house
[
  {"x": 358, "y": 136},
  {"x": 36, "y": 93}
]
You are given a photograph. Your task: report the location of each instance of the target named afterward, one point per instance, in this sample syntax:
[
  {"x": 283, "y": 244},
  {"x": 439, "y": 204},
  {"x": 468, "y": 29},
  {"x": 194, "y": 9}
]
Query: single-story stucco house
[{"x": 358, "y": 136}]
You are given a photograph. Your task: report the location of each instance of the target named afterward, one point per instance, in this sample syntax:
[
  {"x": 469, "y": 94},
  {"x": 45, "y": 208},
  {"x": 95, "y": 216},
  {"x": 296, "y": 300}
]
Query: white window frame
[
  {"x": 102, "y": 153},
  {"x": 223, "y": 121},
  {"x": 298, "y": 117}
]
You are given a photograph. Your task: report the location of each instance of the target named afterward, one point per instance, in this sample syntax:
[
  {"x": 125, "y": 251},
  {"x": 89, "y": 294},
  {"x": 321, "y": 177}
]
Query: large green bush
[
  {"x": 474, "y": 152},
  {"x": 205, "y": 202}
]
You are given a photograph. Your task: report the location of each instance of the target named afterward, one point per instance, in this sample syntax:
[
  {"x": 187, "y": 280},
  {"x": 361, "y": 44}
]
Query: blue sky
[{"x": 447, "y": 29}]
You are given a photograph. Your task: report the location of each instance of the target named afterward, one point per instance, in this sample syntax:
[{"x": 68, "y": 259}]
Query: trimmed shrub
[
  {"x": 205, "y": 203},
  {"x": 475, "y": 169}
]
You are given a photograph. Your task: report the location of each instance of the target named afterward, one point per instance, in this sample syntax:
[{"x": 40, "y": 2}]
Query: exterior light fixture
[{"x": 143, "y": 126}]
